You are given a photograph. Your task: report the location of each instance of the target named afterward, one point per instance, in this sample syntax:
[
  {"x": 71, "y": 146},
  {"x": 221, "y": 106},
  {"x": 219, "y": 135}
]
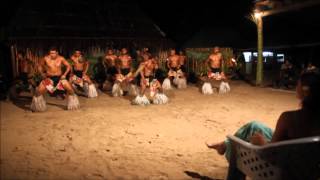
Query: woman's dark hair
[{"x": 310, "y": 83}]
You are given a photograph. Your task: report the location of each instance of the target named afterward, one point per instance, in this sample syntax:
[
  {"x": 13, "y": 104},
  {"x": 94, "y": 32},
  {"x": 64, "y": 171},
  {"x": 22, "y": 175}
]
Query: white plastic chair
[{"x": 292, "y": 159}]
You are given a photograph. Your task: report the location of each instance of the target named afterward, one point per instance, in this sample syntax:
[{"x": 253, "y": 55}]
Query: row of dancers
[{"x": 122, "y": 79}]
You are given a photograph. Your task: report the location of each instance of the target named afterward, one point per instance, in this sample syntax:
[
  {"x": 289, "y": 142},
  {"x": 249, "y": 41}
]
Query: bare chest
[
  {"x": 124, "y": 59},
  {"x": 174, "y": 59},
  {"x": 111, "y": 58},
  {"x": 215, "y": 58},
  {"x": 53, "y": 63}
]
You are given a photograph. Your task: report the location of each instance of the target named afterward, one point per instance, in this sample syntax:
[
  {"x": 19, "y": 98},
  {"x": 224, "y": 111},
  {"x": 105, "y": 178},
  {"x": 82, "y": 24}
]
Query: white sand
[{"x": 110, "y": 139}]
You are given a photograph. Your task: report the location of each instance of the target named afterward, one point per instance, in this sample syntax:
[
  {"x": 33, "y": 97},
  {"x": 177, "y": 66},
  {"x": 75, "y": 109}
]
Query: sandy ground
[{"x": 110, "y": 139}]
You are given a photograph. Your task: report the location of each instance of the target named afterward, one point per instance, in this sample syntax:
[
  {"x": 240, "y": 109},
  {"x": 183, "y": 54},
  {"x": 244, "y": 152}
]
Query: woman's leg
[{"x": 244, "y": 133}]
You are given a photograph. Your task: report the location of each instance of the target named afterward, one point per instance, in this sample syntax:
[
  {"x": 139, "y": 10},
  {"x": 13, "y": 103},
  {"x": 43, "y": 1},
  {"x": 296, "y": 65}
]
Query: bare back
[{"x": 295, "y": 124}]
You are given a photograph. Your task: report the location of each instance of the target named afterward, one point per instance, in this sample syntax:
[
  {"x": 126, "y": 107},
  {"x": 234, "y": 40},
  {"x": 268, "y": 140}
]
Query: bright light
[
  {"x": 233, "y": 60},
  {"x": 280, "y": 57},
  {"x": 257, "y": 15},
  {"x": 264, "y": 53},
  {"x": 247, "y": 56},
  {"x": 267, "y": 53}
]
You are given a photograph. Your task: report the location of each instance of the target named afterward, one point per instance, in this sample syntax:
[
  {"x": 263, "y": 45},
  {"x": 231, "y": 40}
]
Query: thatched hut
[{"x": 92, "y": 26}]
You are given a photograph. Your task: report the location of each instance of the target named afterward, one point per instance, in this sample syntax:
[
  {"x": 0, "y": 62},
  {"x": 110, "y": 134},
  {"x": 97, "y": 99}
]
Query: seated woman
[{"x": 304, "y": 122}]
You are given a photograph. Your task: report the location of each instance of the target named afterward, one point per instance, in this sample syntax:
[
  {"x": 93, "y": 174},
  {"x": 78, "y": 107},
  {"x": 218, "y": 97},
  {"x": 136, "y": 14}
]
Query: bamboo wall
[
  {"x": 35, "y": 49},
  {"x": 198, "y": 56},
  {"x": 93, "y": 48}
]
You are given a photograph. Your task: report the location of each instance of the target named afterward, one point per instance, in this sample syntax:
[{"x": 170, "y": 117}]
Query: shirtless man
[
  {"x": 311, "y": 68},
  {"x": 124, "y": 77},
  {"x": 54, "y": 79},
  {"x": 143, "y": 58},
  {"x": 215, "y": 61},
  {"x": 26, "y": 70},
  {"x": 173, "y": 63},
  {"x": 79, "y": 75},
  {"x": 125, "y": 69},
  {"x": 148, "y": 80},
  {"x": 147, "y": 73},
  {"x": 146, "y": 51},
  {"x": 110, "y": 62},
  {"x": 25, "y": 82}
]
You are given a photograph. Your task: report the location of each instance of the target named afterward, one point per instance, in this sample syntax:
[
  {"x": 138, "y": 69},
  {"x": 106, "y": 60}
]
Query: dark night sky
[
  {"x": 182, "y": 19},
  {"x": 174, "y": 17},
  {"x": 185, "y": 18}
]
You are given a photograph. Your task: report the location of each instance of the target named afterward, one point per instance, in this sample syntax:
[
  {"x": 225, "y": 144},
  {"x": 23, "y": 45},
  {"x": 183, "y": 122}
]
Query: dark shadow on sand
[
  {"x": 22, "y": 102},
  {"x": 64, "y": 107},
  {"x": 215, "y": 84},
  {"x": 199, "y": 176}
]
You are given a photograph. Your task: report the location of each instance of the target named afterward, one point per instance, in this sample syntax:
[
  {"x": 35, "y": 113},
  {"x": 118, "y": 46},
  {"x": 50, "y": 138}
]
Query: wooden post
[
  {"x": 13, "y": 62},
  {"x": 259, "y": 77}
]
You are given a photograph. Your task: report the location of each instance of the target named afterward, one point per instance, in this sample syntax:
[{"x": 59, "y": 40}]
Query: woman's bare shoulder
[
  {"x": 289, "y": 116},
  {"x": 291, "y": 113}
]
